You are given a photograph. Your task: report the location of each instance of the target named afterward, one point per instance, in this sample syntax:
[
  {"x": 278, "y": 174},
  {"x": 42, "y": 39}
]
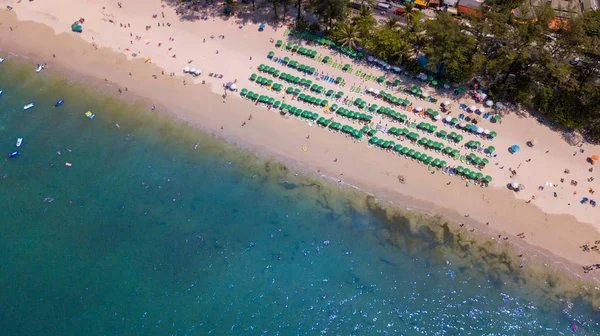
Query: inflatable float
[
  {"x": 19, "y": 142},
  {"x": 90, "y": 115},
  {"x": 27, "y": 107},
  {"x": 13, "y": 154},
  {"x": 59, "y": 103}
]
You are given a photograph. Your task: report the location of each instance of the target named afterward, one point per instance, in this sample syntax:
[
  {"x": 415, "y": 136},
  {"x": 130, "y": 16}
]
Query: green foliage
[
  {"x": 449, "y": 49},
  {"x": 347, "y": 35},
  {"x": 329, "y": 11}
]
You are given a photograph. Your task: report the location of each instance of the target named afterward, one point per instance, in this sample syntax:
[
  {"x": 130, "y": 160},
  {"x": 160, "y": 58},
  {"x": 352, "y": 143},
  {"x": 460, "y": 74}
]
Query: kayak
[
  {"x": 28, "y": 106},
  {"x": 13, "y": 154},
  {"x": 90, "y": 115},
  {"x": 58, "y": 103},
  {"x": 39, "y": 68},
  {"x": 19, "y": 142}
]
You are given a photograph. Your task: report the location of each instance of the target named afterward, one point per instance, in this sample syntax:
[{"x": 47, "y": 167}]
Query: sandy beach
[{"x": 128, "y": 52}]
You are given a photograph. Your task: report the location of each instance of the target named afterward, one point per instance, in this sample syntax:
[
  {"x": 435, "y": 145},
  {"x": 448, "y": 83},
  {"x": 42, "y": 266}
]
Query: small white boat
[
  {"x": 40, "y": 68},
  {"x": 0, "y": 92},
  {"x": 1, "y": 59},
  {"x": 19, "y": 142},
  {"x": 28, "y": 106}
]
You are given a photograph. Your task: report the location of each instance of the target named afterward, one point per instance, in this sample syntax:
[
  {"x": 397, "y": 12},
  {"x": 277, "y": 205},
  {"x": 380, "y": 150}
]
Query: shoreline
[{"x": 79, "y": 63}]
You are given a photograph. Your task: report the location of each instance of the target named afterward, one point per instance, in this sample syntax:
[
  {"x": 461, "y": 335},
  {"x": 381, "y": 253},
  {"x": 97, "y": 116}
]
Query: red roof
[{"x": 467, "y": 10}]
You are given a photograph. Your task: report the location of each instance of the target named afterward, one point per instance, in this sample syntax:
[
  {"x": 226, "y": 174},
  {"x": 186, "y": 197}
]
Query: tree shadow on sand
[{"x": 241, "y": 12}]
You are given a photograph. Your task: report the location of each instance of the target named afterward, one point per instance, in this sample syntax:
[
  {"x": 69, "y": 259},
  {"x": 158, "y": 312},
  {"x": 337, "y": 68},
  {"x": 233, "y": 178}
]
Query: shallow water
[{"x": 145, "y": 235}]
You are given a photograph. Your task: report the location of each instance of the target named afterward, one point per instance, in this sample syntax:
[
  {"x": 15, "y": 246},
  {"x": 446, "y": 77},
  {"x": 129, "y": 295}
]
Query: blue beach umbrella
[{"x": 514, "y": 148}]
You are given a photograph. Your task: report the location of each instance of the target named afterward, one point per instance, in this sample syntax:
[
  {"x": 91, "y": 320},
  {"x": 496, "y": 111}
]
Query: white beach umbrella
[
  {"x": 375, "y": 91},
  {"x": 397, "y": 69},
  {"x": 448, "y": 118},
  {"x": 370, "y": 58},
  {"x": 482, "y": 96},
  {"x": 486, "y": 131},
  {"x": 472, "y": 108},
  {"x": 479, "y": 129},
  {"x": 446, "y": 86},
  {"x": 370, "y": 90},
  {"x": 192, "y": 70},
  {"x": 514, "y": 185},
  {"x": 446, "y": 103},
  {"x": 482, "y": 110},
  {"x": 489, "y": 103},
  {"x": 388, "y": 67},
  {"x": 232, "y": 87},
  {"x": 197, "y": 72},
  {"x": 499, "y": 105},
  {"x": 437, "y": 117},
  {"x": 462, "y": 124},
  {"x": 186, "y": 69},
  {"x": 418, "y": 109}
]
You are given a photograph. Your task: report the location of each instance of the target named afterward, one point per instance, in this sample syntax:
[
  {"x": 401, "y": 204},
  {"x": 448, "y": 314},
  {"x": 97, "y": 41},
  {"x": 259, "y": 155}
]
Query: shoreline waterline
[{"x": 262, "y": 152}]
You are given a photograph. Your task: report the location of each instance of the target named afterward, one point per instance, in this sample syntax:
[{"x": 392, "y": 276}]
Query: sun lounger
[
  {"x": 583, "y": 200},
  {"x": 485, "y": 116}
]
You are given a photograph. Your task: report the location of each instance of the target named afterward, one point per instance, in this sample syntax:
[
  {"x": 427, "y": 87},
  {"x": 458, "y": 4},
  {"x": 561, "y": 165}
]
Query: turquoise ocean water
[{"x": 143, "y": 235}]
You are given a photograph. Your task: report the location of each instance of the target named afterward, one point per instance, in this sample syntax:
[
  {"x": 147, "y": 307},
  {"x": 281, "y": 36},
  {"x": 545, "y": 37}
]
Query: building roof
[
  {"x": 563, "y": 8},
  {"x": 473, "y": 4}
]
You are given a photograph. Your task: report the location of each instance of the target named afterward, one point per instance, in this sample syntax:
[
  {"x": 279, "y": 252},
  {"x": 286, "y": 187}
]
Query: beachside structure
[
  {"x": 472, "y": 7},
  {"x": 566, "y": 8}
]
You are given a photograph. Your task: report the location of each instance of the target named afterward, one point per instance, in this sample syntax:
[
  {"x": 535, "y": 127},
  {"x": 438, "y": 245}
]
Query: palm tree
[
  {"x": 391, "y": 22},
  {"x": 349, "y": 36}
]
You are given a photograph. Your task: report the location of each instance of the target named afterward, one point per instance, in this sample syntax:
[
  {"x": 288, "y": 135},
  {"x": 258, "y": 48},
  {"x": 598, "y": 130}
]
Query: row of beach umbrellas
[{"x": 192, "y": 71}]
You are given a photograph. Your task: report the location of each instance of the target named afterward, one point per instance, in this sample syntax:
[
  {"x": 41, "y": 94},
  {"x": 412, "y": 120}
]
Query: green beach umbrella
[
  {"x": 460, "y": 169},
  {"x": 458, "y": 138},
  {"x": 333, "y": 107},
  {"x": 485, "y": 161},
  {"x": 491, "y": 149},
  {"x": 493, "y": 135},
  {"x": 397, "y": 148},
  {"x": 488, "y": 179},
  {"x": 405, "y": 150}
]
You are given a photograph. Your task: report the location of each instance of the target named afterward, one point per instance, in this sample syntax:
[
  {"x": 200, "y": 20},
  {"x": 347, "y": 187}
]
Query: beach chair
[
  {"x": 485, "y": 116},
  {"x": 339, "y": 67},
  {"x": 461, "y": 116},
  {"x": 583, "y": 200}
]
